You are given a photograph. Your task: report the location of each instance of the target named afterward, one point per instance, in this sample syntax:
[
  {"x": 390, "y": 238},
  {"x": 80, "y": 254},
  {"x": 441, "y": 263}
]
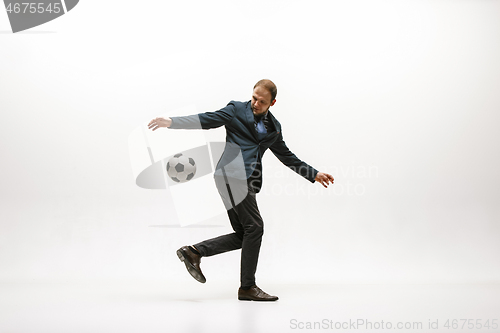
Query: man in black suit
[{"x": 251, "y": 129}]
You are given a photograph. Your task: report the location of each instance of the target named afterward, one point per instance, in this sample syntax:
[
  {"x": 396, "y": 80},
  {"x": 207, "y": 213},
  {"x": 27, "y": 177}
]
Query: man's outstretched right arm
[{"x": 205, "y": 120}]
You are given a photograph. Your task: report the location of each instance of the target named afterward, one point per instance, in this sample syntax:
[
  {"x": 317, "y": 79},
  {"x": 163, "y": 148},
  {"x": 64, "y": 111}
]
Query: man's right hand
[{"x": 159, "y": 122}]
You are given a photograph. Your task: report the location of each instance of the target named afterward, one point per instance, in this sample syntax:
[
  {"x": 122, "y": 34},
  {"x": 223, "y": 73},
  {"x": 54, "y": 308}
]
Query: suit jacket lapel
[{"x": 271, "y": 118}]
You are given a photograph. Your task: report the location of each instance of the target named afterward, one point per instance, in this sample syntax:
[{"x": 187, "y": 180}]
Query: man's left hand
[{"x": 324, "y": 178}]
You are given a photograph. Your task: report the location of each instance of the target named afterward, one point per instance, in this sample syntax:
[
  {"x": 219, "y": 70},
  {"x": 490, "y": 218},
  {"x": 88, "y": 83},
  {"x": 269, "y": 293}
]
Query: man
[{"x": 251, "y": 129}]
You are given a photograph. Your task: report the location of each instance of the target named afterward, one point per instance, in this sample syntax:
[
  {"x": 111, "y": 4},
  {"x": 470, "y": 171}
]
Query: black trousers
[{"x": 248, "y": 230}]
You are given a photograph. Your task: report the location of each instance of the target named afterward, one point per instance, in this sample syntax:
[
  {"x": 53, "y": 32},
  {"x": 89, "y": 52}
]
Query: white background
[{"x": 398, "y": 100}]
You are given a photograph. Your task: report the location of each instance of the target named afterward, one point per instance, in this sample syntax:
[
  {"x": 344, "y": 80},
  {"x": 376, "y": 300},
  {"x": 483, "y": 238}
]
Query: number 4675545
[
  {"x": 33, "y": 8},
  {"x": 470, "y": 324}
]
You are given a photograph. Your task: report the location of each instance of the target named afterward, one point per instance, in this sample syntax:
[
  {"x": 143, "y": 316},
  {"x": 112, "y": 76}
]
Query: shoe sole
[
  {"x": 190, "y": 268},
  {"x": 257, "y": 300}
]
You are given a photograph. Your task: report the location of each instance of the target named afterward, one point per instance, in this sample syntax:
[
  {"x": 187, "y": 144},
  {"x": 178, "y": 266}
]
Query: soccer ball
[{"x": 181, "y": 168}]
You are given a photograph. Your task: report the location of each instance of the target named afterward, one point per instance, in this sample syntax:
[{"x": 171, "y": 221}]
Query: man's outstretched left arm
[{"x": 283, "y": 153}]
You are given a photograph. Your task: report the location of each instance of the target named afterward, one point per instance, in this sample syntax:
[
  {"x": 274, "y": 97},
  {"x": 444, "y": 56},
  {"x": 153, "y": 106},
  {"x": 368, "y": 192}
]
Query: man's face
[{"x": 261, "y": 101}]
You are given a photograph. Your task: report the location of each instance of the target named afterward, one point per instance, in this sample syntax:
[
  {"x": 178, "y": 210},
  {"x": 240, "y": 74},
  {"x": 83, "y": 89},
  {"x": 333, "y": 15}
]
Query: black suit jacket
[{"x": 241, "y": 137}]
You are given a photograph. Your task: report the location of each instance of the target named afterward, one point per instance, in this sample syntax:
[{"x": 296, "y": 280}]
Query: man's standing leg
[
  {"x": 249, "y": 217},
  {"x": 253, "y": 226}
]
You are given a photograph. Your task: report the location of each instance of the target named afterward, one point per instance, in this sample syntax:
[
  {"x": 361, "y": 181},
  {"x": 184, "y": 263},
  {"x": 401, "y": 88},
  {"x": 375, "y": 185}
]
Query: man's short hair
[{"x": 270, "y": 86}]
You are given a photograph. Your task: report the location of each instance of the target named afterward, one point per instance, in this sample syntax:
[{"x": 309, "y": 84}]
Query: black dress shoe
[
  {"x": 255, "y": 294},
  {"x": 192, "y": 262}
]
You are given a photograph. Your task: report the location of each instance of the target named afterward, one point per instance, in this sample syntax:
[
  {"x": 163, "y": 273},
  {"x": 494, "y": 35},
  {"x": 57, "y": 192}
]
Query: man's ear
[{"x": 272, "y": 103}]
